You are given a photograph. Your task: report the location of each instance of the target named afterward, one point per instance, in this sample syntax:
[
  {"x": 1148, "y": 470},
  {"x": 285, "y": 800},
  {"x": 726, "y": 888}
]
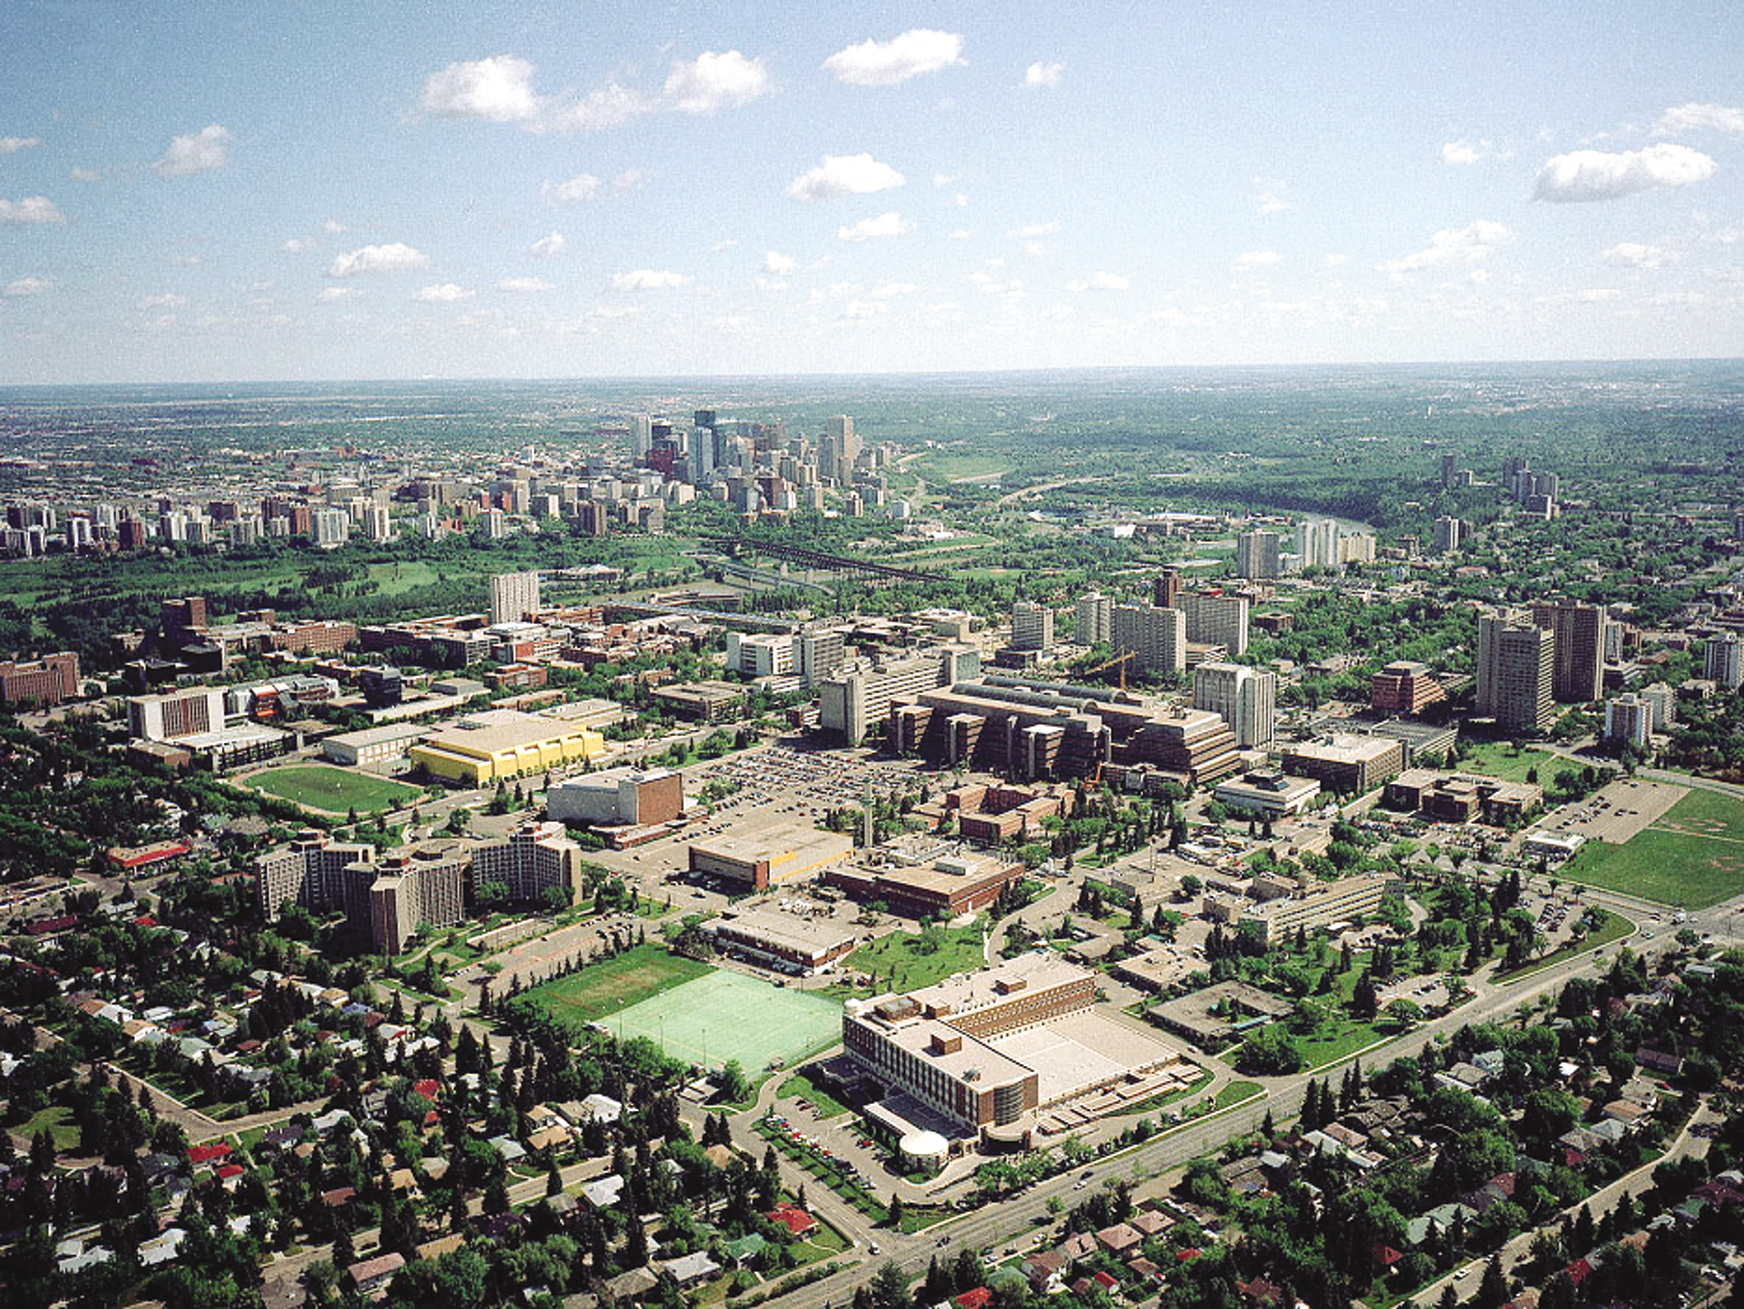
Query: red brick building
[{"x": 50, "y": 680}]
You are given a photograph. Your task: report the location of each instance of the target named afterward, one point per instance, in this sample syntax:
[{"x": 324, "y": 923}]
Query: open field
[
  {"x": 903, "y": 959},
  {"x": 1693, "y": 856},
  {"x": 603, "y": 989},
  {"x": 707, "y": 1021},
  {"x": 335, "y": 790},
  {"x": 960, "y": 467},
  {"x": 1613, "y": 928},
  {"x": 1504, "y": 761}
]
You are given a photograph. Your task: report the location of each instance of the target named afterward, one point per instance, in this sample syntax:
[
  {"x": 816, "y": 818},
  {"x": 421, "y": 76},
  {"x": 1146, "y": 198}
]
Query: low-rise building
[
  {"x": 618, "y": 796},
  {"x": 943, "y": 888},
  {"x": 1266, "y": 794},
  {"x": 788, "y": 942},
  {"x": 1349, "y": 765},
  {"x": 770, "y": 856},
  {"x": 1463, "y": 797},
  {"x": 373, "y": 745},
  {"x": 1310, "y": 906},
  {"x": 495, "y": 745}
]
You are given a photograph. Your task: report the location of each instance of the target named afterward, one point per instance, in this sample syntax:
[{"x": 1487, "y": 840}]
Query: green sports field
[
  {"x": 1692, "y": 856},
  {"x": 334, "y": 790},
  {"x": 605, "y": 988},
  {"x": 723, "y": 1016}
]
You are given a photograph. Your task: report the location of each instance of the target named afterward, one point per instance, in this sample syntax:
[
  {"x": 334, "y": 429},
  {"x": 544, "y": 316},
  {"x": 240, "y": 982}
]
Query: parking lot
[{"x": 1615, "y": 812}]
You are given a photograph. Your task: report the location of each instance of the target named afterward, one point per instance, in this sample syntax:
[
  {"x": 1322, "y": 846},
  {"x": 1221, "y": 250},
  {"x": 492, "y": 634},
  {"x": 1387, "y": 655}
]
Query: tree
[
  {"x": 1493, "y": 1290},
  {"x": 734, "y": 1087}
]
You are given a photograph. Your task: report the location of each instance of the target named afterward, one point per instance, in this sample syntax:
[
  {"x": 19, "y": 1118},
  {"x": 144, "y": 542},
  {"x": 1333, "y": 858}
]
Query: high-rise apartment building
[
  {"x": 1166, "y": 590},
  {"x": 1156, "y": 637},
  {"x": 1095, "y": 618},
  {"x": 1450, "y": 534},
  {"x": 1243, "y": 697},
  {"x": 1216, "y": 619},
  {"x": 329, "y": 528},
  {"x": 1579, "y": 631},
  {"x": 1516, "y": 669},
  {"x": 856, "y": 700},
  {"x": 1032, "y": 626},
  {"x": 316, "y": 872},
  {"x": 1721, "y": 661},
  {"x": 513, "y": 597},
  {"x": 1317, "y": 543},
  {"x": 536, "y": 857},
  {"x": 1629, "y": 721},
  {"x": 641, "y": 436},
  {"x": 1259, "y": 555}
]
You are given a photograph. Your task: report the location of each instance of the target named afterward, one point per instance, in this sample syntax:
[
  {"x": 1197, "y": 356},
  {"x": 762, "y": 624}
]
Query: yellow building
[{"x": 502, "y": 744}]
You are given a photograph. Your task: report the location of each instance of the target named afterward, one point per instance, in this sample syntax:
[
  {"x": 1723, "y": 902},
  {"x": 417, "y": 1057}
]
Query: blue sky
[{"x": 212, "y": 192}]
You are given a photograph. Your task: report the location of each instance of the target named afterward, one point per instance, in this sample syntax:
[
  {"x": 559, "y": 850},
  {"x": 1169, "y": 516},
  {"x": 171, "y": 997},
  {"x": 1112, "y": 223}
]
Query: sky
[{"x": 312, "y": 191}]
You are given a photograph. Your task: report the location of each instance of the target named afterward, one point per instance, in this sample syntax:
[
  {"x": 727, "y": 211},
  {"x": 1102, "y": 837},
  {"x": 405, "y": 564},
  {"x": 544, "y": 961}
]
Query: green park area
[
  {"x": 1692, "y": 856},
  {"x": 905, "y": 961},
  {"x": 1511, "y": 763},
  {"x": 605, "y": 989},
  {"x": 334, "y": 790}
]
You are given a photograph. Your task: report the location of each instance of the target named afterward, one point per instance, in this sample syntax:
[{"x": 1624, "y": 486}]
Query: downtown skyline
[{"x": 333, "y": 193}]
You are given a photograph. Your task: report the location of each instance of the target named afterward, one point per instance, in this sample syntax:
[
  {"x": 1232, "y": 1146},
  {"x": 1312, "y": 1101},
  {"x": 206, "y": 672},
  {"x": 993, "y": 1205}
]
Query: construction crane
[{"x": 1120, "y": 659}]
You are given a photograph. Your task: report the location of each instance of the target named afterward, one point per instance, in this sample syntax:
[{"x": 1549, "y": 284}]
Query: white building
[
  {"x": 1243, "y": 697},
  {"x": 1721, "y": 662},
  {"x": 1156, "y": 637},
  {"x": 329, "y": 528},
  {"x": 1095, "y": 614},
  {"x": 1317, "y": 543},
  {"x": 1450, "y": 534},
  {"x": 1216, "y": 619},
  {"x": 761, "y": 654},
  {"x": 513, "y": 596},
  {"x": 1629, "y": 721},
  {"x": 1032, "y": 626}
]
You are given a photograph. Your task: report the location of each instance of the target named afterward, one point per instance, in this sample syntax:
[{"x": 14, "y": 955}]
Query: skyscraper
[
  {"x": 1216, "y": 619},
  {"x": 1721, "y": 661},
  {"x": 1450, "y": 534},
  {"x": 1243, "y": 697},
  {"x": 513, "y": 596},
  {"x": 1156, "y": 637},
  {"x": 1516, "y": 667},
  {"x": 1095, "y": 615},
  {"x": 1166, "y": 590},
  {"x": 1317, "y": 543},
  {"x": 1032, "y": 626},
  {"x": 1257, "y": 555},
  {"x": 1579, "y": 630}
]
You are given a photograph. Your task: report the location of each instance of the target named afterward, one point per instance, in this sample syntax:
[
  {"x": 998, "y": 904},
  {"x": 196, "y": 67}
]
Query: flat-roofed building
[
  {"x": 1022, "y": 730},
  {"x": 50, "y": 680},
  {"x": 1349, "y": 765},
  {"x": 1195, "y": 744},
  {"x": 496, "y": 745},
  {"x": 417, "y": 888},
  {"x": 373, "y": 745},
  {"x": 857, "y": 700},
  {"x": 704, "y": 702},
  {"x": 1156, "y": 638},
  {"x": 195, "y": 711},
  {"x": 1259, "y": 555},
  {"x": 1515, "y": 672},
  {"x": 789, "y": 942},
  {"x": 769, "y": 856},
  {"x": 1032, "y": 626},
  {"x": 1243, "y": 697},
  {"x": 1404, "y": 687},
  {"x": 535, "y": 858},
  {"x": 618, "y": 796},
  {"x": 1266, "y": 794},
  {"x": 1214, "y": 618},
  {"x": 1578, "y": 634},
  {"x": 513, "y": 597},
  {"x": 317, "y": 872},
  {"x": 1463, "y": 797},
  {"x": 1312, "y": 906},
  {"x": 1629, "y": 721},
  {"x": 945, "y": 888},
  {"x": 1094, "y": 613},
  {"x": 1723, "y": 660}
]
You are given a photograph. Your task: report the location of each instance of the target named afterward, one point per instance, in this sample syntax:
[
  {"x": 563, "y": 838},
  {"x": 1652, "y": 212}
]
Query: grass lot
[
  {"x": 951, "y": 467},
  {"x": 334, "y": 790},
  {"x": 1349, "y": 1038},
  {"x": 825, "y": 1103},
  {"x": 1498, "y": 759},
  {"x": 1614, "y": 928},
  {"x": 604, "y": 988},
  {"x": 57, "y": 1120},
  {"x": 1693, "y": 856},
  {"x": 909, "y": 961},
  {"x": 1235, "y": 1093}
]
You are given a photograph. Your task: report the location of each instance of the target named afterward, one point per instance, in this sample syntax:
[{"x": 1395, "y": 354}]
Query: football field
[{"x": 726, "y": 1015}]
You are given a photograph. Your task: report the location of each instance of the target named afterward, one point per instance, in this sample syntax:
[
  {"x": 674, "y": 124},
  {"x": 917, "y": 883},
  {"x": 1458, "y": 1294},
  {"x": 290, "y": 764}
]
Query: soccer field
[
  {"x": 730, "y": 1016},
  {"x": 335, "y": 790}
]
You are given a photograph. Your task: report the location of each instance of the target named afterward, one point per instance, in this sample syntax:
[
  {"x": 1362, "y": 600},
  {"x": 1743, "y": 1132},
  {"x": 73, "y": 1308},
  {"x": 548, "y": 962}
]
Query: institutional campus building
[
  {"x": 768, "y": 857},
  {"x": 497, "y": 745}
]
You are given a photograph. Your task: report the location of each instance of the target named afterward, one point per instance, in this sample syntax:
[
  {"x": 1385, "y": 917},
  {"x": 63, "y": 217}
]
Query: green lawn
[
  {"x": 950, "y": 467},
  {"x": 1349, "y": 1038},
  {"x": 1235, "y": 1093},
  {"x": 605, "y": 988},
  {"x": 57, "y": 1120},
  {"x": 334, "y": 790},
  {"x": 825, "y": 1103},
  {"x": 905, "y": 961},
  {"x": 1498, "y": 759},
  {"x": 1693, "y": 856}
]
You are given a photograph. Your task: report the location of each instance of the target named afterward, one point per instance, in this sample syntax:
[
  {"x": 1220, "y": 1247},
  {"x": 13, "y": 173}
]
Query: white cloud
[
  {"x": 731, "y": 322},
  {"x": 1039, "y": 76},
  {"x": 197, "y": 152},
  {"x": 585, "y": 187},
  {"x": 24, "y": 286},
  {"x": 31, "y": 209},
  {"x": 11, "y": 145},
  {"x": 1336, "y": 260},
  {"x": 649, "y": 279},
  {"x": 942, "y": 180},
  {"x": 606, "y": 106},
  {"x": 498, "y": 89},
  {"x": 1583, "y": 175},
  {"x": 1054, "y": 313},
  {"x": 523, "y": 285},
  {"x": 442, "y": 293},
  {"x": 1270, "y": 196},
  {"x": 616, "y": 311},
  {"x": 1100, "y": 282},
  {"x": 1597, "y": 294},
  {"x": 85, "y": 175},
  {"x": 187, "y": 261},
  {"x": 777, "y": 264},
  {"x": 1463, "y": 152},
  {"x": 960, "y": 234},
  {"x": 885, "y": 63},
  {"x": 1257, "y": 259},
  {"x": 841, "y": 175},
  {"x": 890, "y": 289},
  {"x": 296, "y": 245},
  {"x": 714, "y": 81},
  {"x": 891, "y": 224},
  {"x": 1032, "y": 230},
  {"x": 861, "y": 310},
  {"x": 1633, "y": 254},
  {"x": 332, "y": 293},
  {"x": 388, "y": 258},
  {"x": 1453, "y": 245},
  {"x": 333, "y": 227},
  {"x": 547, "y": 246},
  {"x": 167, "y": 300},
  {"x": 1034, "y": 248},
  {"x": 1693, "y": 117}
]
